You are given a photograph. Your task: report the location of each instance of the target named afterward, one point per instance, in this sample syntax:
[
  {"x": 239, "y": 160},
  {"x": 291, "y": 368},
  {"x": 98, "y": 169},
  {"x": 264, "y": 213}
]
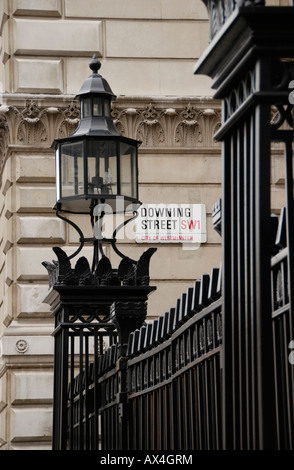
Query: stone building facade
[{"x": 147, "y": 50}]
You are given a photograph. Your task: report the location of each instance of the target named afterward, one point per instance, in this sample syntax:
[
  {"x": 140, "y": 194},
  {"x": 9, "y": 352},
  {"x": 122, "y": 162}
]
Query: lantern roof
[
  {"x": 95, "y": 83},
  {"x": 100, "y": 126}
]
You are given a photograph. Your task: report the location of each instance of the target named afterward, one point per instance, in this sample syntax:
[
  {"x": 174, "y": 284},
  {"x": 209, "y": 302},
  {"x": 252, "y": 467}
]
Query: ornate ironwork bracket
[{"x": 97, "y": 241}]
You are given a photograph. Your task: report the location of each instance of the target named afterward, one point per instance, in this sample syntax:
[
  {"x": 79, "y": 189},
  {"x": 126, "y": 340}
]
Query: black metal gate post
[
  {"x": 82, "y": 325},
  {"x": 60, "y": 379},
  {"x": 81, "y": 302},
  {"x": 246, "y": 45}
]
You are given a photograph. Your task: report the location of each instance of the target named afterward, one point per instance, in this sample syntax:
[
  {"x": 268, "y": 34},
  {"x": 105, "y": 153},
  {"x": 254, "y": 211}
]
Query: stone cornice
[{"x": 159, "y": 123}]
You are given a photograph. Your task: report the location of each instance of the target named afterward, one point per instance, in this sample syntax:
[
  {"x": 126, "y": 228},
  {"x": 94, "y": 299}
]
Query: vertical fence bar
[
  {"x": 86, "y": 391},
  {"x": 71, "y": 423},
  {"x": 264, "y": 341},
  {"x": 60, "y": 387},
  {"x": 247, "y": 277},
  {"x": 289, "y": 333},
  {"x": 81, "y": 390},
  {"x": 96, "y": 393}
]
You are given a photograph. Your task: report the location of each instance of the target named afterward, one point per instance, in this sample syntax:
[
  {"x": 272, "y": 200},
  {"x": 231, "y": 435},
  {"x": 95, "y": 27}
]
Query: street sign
[{"x": 171, "y": 223}]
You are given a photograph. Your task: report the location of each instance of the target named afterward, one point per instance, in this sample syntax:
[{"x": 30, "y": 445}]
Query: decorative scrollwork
[
  {"x": 188, "y": 349},
  {"x": 133, "y": 380},
  {"x": 238, "y": 96},
  {"x": 145, "y": 375},
  {"x": 220, "y": 10},
  {"x": 279, "y": 289},
  {"x": 151, "y": 373},
  {"x": 177, "y": 356},
  {"x": 157, "y": 370},
  {"x": 188, "y": 131},
  {"x": 169, "y": 364},
  {"x": 194, "y": 344},
  {"x": 201, "y": 339},
  {"x": 21, "y": 346},
  {"x": 219, "y": 334},
  {"x": 163, "y": 366},
  {"x": 35, "y": 126},
  {"x": 282, "y": 117},
  {"x": 150, "y": 129},
  {"x": 139, "y": 378},
  {"x": 209, "y": 334},
  {"x": 182, "y": 352}
]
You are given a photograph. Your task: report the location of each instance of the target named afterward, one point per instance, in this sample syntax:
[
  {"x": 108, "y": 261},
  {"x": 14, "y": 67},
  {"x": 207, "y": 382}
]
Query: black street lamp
[
  {"x": 96, "y": 164},
  {"x": 96, "y": 174}
]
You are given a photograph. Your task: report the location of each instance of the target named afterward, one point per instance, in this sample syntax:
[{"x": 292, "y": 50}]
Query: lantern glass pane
[
  {"x": 106, "y": 108},
  {"x": 72, "y": 169},
  {"x": 86, "y": 108},
  {"x": 128, "y": 170},
  {"x": 97, "y": 107},
  {"x": 102, "y": 167}
]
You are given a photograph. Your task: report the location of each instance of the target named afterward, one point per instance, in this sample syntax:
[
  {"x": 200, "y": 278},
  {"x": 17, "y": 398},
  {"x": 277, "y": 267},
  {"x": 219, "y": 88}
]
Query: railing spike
[
  {"x": 171, "y": 316},
  {"x": 147, "y": 340},
  {"x": 135, "y": 342},
  {"x": 205, "y": 281},
  {"x": 142, "y": 338},
  {"x": 189, "y": 300},
  {"x": 130, "y": 344},
  {"x": 212, "y": 293},
  {"x": 196, "y": 296}
]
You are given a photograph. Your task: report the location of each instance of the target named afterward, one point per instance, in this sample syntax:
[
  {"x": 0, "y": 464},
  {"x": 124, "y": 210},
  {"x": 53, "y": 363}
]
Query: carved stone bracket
[{"x": 37, "y": 126}]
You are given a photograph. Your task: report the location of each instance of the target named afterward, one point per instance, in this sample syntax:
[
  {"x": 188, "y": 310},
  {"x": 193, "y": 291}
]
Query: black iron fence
[{"x": 165, "y": 393}]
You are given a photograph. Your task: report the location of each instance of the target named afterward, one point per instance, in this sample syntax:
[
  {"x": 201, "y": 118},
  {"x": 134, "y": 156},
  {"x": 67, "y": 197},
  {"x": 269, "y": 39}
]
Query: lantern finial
[{"x": 95, "y": 64}]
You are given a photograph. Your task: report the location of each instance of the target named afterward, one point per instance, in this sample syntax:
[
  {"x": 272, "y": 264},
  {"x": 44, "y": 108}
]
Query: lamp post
[
  {"x": 96, "y": 166},
  {"x": 96, "y": 174}
]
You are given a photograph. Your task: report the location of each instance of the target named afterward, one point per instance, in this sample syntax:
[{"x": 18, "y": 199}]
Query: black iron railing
[
  {"x": 165, "y": 393},
  {"x": 175, "y": 387}
]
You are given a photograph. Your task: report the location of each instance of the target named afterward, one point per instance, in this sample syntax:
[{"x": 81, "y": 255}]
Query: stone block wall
[{"x": 147, "y": 51}]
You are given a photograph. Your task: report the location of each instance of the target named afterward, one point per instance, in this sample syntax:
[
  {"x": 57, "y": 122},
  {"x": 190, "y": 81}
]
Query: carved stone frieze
[
  {"x": 160, "y": 124},
  {"x": 156, "y": 123},
  {"x": 36, "y": 126}
]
